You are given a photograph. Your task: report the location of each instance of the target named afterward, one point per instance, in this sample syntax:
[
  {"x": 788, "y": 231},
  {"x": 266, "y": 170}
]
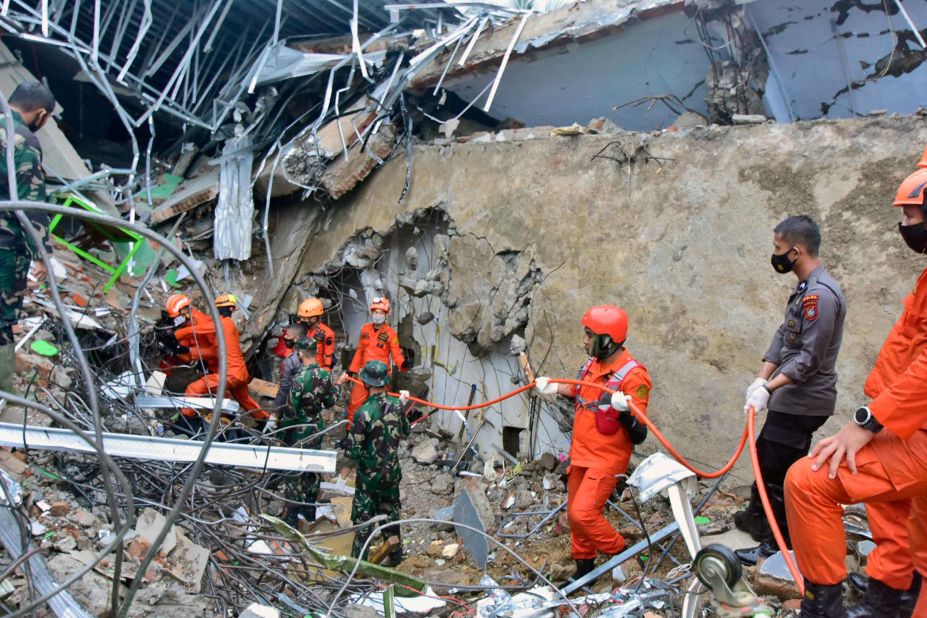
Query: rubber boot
[
  {"x": 909, "y": 598},
  {"x": 878, "y": 601},
  {"x": 750, "y": 517},
  {"x": 584, "y": 566},
  {"x": 822, "y": 601}
]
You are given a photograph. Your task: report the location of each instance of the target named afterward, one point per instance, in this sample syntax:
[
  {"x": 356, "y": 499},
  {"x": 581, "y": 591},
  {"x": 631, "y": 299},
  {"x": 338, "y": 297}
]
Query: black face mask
[
  {"x": 915, "y": 236},
  {"x": 781, "y": 262}
]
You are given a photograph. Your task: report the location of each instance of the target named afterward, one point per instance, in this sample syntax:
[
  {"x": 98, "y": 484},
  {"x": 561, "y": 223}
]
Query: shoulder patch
[
  {"x": 642, "y": 392},
  {"x": 810, "y": 308}
]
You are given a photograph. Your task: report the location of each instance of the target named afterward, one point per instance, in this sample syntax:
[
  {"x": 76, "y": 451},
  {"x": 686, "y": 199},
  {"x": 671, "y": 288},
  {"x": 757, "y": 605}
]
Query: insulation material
[{"x": 235, "y": 208}]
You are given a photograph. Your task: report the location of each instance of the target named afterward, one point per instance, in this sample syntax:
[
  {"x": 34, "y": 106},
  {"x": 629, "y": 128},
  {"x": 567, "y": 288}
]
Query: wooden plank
[
  {"x": 263, "y": 388},
  {"x": 188, "y": 196}
]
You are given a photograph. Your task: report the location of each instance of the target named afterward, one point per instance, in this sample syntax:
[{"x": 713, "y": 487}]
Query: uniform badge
[
  {"x": 810, "y": 308},
  {"x": 642, "y": 392}
]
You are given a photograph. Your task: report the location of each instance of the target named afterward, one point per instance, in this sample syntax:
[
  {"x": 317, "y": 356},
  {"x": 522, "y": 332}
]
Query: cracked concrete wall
[{"x": 681, "y": 242}]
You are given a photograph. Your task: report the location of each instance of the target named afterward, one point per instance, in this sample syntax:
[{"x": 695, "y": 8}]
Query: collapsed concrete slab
[{"x": 678, "y": 237}]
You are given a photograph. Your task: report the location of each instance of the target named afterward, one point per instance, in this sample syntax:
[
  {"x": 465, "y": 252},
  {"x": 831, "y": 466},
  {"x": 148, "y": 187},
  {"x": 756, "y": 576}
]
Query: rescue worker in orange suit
[
  {"x": 378, "y": 341},
  {"x": 879, "y": 458},
  {"x": 237, "y": 377},
  {"x": 797, "y": 382},
  {"x": 196, "y": 338},
  {"x": 604, "y": 431},
  {"x": 310, "y": 314}
]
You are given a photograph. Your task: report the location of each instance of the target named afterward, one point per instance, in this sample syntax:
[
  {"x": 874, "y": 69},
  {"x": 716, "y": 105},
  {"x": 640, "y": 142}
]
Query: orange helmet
[
  {"x": 175, "y": 303},
  {"x": 227, "y": 300},
  {"x": 310, "y": 308},
  {"x": 911, "y": 190},
  {"x": 381, "y": 303},
  {"x": 609, "y": 324}
]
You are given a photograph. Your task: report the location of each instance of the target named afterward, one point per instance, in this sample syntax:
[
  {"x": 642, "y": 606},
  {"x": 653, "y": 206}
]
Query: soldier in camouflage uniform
[
  {"x": 32, "y": 105},
  {"x": 311, "y": 392},
  {"x": 373, "y": 445}
]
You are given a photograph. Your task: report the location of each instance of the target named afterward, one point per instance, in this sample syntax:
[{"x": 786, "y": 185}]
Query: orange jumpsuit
[
  {"x": 375, "y": 343},
  {"x": 892, "y": 470},
  {"x": 325, "y": 350},
  {"x": 237, "y": 377},
  {"x": 200, "y": 336},
  {"x": 596, "y": 460}
]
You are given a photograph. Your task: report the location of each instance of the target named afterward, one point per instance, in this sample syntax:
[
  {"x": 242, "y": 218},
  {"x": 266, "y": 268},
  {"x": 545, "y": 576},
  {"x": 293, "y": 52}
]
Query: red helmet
[
  {"x": 911, "y": 190},
  {"x": 381, "y": 303},
  {"x": 609, "y": 324},
  {"x": 607, "y": 320},
  {"x": 175, "y": 303}
]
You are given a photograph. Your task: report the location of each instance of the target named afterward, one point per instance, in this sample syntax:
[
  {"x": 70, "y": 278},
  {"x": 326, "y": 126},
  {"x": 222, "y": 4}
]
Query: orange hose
[
  {"x": 749, "y": 433},
  {"x": 767, "y": 508},
  {"x": 637, "y": 413}
]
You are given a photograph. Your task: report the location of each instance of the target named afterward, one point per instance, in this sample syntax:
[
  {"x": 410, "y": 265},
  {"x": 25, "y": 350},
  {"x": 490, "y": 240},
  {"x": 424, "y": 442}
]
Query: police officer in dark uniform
[{"x": 798, "y": 380}]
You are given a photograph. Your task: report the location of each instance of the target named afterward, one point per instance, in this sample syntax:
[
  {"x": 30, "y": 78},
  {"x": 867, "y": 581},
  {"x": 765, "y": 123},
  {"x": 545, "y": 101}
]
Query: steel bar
[
  {"x": 616, "y": 560},
  {"x": 121, "y": 29},
  {"x": 170, "y": 449},
  {"x": 548, "y": 515},
  {"x": 907, "y": 18},
  {"x": 143, "y": 27},
  {"x": 505, "y": 61}
]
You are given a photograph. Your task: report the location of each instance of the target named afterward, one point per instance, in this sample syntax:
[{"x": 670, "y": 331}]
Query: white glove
[
  {"x": 544, "y": 387},
  {"x": 403, "y": 397},
  {"x": 270, "y": 425},
  {"x": 620, "y": 401},
  {"x": 759, "y": 399},
  {"x": 759, "y": 382}
]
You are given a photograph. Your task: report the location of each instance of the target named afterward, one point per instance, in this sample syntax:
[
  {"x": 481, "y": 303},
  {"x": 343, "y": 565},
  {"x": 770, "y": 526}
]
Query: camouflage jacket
[
  {"x": 30, "y": 185},
  {"x": 311, "y": 392},
  {"x": 373, "y": 443}
]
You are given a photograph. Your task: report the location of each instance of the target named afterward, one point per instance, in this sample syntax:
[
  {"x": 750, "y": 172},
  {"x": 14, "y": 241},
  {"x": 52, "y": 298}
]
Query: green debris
[
  {"x": 701, "y": 520},
  {"x": 44, "y": 348},
  {"x": 170, "y": 277}
]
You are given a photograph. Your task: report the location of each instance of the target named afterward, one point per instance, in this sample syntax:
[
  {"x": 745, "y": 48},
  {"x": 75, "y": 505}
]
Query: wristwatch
[{"x": 864, "y": 418}]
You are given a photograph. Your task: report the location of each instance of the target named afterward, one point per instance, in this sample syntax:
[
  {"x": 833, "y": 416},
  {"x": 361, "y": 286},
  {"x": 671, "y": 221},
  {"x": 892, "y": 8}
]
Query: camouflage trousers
[
  {"x": 301, "y": 487},
  {"x": 370, "y": 501},
  {"x": 14, "y": 267}
]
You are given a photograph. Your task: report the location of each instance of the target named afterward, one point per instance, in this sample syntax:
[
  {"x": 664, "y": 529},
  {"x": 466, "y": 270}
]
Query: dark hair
[
  {"x": 298, "y": 329},
  {"x": 801, "y": 230},
  {"x": 33, "y": 96}
]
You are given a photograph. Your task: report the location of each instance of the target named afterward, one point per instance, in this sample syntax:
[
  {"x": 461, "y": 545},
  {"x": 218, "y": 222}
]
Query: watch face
[{"x": 862, "y": 416}]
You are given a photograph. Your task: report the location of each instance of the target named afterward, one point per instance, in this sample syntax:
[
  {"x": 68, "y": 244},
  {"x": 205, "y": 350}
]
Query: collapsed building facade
[{"x": 494, "y": 172}]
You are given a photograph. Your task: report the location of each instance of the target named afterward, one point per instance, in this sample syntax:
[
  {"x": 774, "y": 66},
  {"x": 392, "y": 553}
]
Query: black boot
[
  {"x": 751, "y": 555},
  {"x": 909, "y": 598},
  {"x": 584, "y": 566},
  {"x": 823, "y": 601},
  {"x": 746, "y": 519},
  {"x": 879, "y": 601}
]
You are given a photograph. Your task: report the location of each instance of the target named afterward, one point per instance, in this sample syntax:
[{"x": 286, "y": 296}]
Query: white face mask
[
  {"x": 378, "y": 318},
  {"x": 179, "y": 320}
]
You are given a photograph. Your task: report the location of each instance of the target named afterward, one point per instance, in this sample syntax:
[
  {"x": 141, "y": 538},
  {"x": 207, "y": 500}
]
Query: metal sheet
[
  {"x": 170, "y": 449},
  {"x": 476, "y": 544},
  {"x": 199, "y": 403},
  {"x": 62, "y": 604}
]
